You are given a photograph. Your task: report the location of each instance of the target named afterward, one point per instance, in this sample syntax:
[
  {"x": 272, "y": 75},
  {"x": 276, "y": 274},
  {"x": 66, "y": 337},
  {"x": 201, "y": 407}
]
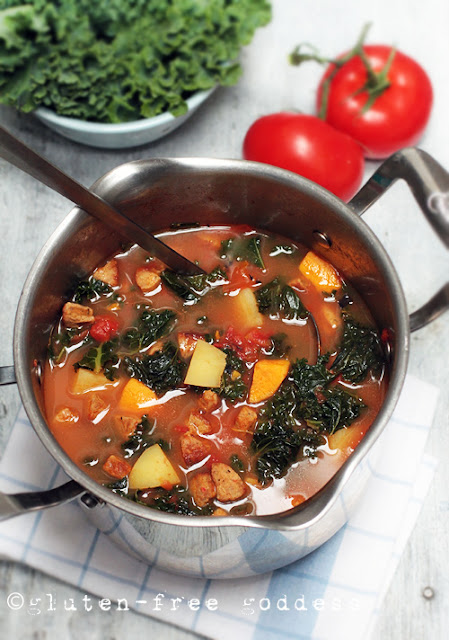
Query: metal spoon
[{"x": 21, "y": 156}]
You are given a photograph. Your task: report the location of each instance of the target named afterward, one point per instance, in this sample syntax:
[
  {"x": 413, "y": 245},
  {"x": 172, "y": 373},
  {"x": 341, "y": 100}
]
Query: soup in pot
[{"x": 238, "y": 392}]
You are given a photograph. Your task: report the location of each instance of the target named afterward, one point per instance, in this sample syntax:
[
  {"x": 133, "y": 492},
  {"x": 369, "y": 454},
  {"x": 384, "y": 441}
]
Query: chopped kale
[
  {"x": 90, "y": 289},
  {"x": 119, "y": 486},
  {"x": 279, "y": 300},
  {"x": 359, "y": 352},
  {"x": 140, "y": 439},
  {"x": 161, "y": 371},
  {"x": 59, "y": 342},
  {"x": 236, "y": 463},
  {"x": 102, "y": 356},
  {"x": 246, "y": 248},
  {"x": 323, "y": 408},
  {"x": 232, "y": 386},
  {"x": 279, "y": 348},
  {"x": 191, "y": 288},
  {"x": 176, "y": 500},
  {"x": 151, "y": 326},
  {"x": 298, "y": 414}
]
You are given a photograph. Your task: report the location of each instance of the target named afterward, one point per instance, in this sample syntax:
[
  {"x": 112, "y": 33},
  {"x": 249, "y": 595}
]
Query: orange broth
[{"x": 91, "y": 440}]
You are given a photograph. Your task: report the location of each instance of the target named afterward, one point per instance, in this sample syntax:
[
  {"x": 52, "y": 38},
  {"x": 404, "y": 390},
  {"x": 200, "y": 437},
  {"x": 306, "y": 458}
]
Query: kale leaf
[
  {"x": 294, "y": 420},
  {"x": 152, "y": 325},
  {"x": 191, "y": 288},
  {"x": 143, "y": 57},
  {"x": 279, "y": 300},
  {"x": 232, "y": 386},
  {"x": 176, "y": 500},
  {"x": 359, "y": 352},
  {"x": 161, "y": 371},
  {"x": 102, "y": 356},
  {"x": 90, "y": 289},
  {"x": 140, "y": 439},
  {"x": 246, "y": 248}
]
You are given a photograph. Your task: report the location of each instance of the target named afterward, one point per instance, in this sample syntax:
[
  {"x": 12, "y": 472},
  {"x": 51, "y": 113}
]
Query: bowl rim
[{"x": 47, "y": 115}]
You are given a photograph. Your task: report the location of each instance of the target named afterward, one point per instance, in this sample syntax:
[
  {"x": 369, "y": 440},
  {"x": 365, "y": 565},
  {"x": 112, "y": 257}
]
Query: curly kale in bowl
[{"x": 120, "y": 60}]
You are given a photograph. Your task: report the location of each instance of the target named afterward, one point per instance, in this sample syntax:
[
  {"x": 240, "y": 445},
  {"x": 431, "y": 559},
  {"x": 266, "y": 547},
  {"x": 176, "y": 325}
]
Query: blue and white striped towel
[{"x": 332, "y": 593}]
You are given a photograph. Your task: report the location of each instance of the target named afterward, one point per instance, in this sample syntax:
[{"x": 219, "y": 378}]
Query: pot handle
[
  {"x": 429, "y": 183},
  {"x": 7, "y": 375},
  {"x": 16, "y": 504}
]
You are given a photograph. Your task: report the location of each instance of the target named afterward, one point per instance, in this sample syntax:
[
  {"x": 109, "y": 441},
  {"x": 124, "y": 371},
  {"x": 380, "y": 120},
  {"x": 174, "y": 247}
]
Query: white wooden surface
[{"x": 29, "y": 212}]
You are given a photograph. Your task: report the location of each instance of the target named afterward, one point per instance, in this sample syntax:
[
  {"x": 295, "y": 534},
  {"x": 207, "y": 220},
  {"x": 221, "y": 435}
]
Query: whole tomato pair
[{"x": 371, "y": 101}]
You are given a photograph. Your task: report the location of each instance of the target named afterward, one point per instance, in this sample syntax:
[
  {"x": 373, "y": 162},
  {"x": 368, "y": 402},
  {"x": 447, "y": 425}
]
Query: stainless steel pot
[{"x": 158, "y": 193}]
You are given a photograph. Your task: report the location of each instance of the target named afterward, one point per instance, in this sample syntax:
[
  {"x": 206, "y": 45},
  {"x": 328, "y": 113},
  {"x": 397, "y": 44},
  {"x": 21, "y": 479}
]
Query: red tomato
[
  {"x": 308, "y": 146},
  {"x": 248, "y": 346},
  {"x": 104, "y": 328},
  {"x": 396, "y": 118}
]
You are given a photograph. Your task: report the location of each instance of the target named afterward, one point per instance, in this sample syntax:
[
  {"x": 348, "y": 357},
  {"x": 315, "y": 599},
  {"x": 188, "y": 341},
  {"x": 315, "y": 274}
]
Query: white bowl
[{"x": 123, "y": 134}]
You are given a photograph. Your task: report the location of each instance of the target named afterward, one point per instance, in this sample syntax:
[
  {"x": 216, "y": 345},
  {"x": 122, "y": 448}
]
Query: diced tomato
[
  {"x": 239, "y": 278},
  {"x": 104, "y": 328},
  {"x": 248, "y": 346}
]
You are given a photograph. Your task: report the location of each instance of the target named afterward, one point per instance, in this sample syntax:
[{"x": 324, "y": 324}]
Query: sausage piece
[{"x": 229, "y": 484}]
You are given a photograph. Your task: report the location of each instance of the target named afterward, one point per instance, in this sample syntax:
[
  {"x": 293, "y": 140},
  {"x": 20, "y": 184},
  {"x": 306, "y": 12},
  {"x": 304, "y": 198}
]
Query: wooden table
[{"x": 415, "y": 606}]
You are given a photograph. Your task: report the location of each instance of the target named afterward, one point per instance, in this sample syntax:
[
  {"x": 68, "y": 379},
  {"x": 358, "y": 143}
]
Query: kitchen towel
[{"x": 334, "y": 592}]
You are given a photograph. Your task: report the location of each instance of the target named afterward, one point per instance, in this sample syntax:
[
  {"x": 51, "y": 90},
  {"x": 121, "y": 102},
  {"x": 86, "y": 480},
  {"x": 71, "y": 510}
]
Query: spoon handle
[{"x": 21, "y": 156}]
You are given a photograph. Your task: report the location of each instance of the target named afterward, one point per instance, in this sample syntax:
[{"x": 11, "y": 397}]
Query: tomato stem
[{"x": 376, "y": 82}]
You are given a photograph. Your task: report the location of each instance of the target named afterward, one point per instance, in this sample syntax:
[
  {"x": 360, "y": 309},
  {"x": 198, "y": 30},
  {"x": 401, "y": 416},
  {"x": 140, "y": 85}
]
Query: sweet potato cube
[
  {"x": 86, "y": 380},
  {"x": 153, "y": 469},
  {"x": 136, "y": 396},
  {"x": 319, "y": 272},
  {"x": 268, "y": 376},
  {"x": 202, "y": 488},
  {"x": 108, "y": 273},
  {"x": 229, "y": 484},
  {"x": 116, "y": 467},
  {"x": 206, "y": 366},
  {"x": 246, "y": 310}
]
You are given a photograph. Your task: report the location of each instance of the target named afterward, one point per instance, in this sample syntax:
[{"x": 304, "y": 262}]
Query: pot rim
[{"x": 316, "y": 506}]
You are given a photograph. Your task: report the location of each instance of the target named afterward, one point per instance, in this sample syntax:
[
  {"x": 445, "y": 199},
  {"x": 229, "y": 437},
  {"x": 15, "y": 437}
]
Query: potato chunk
[
  {"x": 147, "y": 279},
  {"x": 247, "y": 315},
  {"x": 267, "y": 378},
  {"x": 345, "y": 439},
  {"x": 202, "y": 488},
  {"x": 206, "y": 366},
  {"x": 136, "y": 396},
  {"x": 319, "y": 272},
  {"x": 194, "y": 449},
  {"x": 245, "y": 421},
  {"x": 153, "y": 469},
  {"x": 108, "y": 274},
  {"x": 229, "y": 484},
  {"x": 74, "y": 314},
  {"x": 86, "y": 380}
]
